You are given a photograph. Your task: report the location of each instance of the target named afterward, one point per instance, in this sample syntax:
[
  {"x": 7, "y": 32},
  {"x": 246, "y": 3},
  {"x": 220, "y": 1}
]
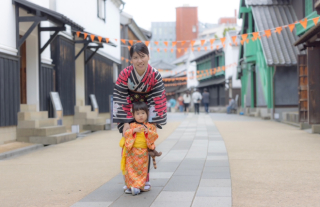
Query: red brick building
[{"x": 186, "y": 27}]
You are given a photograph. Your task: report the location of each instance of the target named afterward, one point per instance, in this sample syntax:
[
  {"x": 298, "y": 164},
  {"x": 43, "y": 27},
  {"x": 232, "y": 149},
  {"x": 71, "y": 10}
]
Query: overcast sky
[{"x": 209, "y": 11}]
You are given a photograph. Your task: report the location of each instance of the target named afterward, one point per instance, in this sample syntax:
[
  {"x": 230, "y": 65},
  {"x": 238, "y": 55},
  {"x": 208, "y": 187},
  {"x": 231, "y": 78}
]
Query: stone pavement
[{"x": 193, "y": 171}]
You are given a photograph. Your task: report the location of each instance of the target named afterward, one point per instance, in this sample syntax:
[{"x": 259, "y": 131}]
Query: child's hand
[
  {"x": 139, "y": 129},
  {"x": 146, "y": 130}
]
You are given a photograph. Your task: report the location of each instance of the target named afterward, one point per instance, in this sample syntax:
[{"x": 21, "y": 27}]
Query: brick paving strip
[{"x": 193, "y": 171}]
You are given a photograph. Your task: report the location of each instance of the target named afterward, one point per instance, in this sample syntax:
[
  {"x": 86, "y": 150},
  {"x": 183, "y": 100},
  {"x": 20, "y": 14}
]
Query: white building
[{"x": 28, "y": 73}]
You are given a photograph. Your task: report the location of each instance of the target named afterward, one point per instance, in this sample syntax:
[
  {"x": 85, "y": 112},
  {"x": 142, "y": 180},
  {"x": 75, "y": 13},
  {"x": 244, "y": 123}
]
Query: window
[
  {"x": 155, "y": 31},
  {"x": 194, "y": 28},
  {"x": 101, "y": 8}
]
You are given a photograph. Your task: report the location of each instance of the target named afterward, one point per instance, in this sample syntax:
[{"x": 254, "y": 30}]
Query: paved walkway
[{"x": 193, "y": 171}]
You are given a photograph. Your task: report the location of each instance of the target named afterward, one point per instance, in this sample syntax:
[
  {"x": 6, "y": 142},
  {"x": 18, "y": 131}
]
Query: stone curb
[{"x": 20, "y": 151}]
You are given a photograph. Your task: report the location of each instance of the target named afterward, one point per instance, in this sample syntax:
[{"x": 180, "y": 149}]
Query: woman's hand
[
  {"x": 139, "y": 129},
  {"x": 126, "y": 126}
]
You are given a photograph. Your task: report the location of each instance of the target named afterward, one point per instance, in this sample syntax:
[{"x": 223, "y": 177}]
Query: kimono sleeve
[
  {"x": 121, "y": 101},
  {"x": 129, "y": 138},
  {"x": 157, "y": 101},
  {"x": 152, "y": 136}
]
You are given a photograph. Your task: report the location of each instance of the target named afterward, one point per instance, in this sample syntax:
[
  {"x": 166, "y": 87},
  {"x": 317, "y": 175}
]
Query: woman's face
[
  {"x": 140, "y": 116},
  {"x": 140, "y": 61}
]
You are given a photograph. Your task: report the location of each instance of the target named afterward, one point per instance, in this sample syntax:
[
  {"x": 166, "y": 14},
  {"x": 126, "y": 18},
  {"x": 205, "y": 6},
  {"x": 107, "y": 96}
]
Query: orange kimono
[{"x": 137, "y": 158}]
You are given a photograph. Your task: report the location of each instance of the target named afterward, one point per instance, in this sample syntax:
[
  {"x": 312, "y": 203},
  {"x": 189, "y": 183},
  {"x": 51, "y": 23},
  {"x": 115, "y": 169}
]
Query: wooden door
[
  {"x": 313, "y": 60},
  {"x": 23, "y": 74},
  {"x": 303, "y": 88}
]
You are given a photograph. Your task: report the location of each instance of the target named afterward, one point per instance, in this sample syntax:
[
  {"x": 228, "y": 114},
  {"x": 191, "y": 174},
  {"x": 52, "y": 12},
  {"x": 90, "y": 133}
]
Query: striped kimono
[{"x": 130, "y": 87}]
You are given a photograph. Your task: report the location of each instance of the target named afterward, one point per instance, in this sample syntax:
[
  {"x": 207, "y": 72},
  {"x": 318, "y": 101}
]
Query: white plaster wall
[
  {"x": 84, "y": 13},
  {"x": 7, "y": 22},
  {"x": 231, "y": 57}
]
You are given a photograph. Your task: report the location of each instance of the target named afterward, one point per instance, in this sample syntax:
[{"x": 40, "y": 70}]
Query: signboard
[
  {"x": 94, "y": 103},
  {"x": 57, "y": 106}
]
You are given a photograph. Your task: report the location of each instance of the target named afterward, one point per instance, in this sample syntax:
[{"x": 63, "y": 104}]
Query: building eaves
[
  {"x": 52, "y": 15},
  {"x": 308, "y": 35},
  {"x": 277, "y": 49},
  {"x": 161, "y": 64},
  {"x": 127, "y": 19},
  {"x": 266, "y": 2},
  {"x": 206, "y": 53}
]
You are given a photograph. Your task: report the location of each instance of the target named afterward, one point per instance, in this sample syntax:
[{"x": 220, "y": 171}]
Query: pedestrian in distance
[
  {"x": 186, "y": 101},
  {"x": 205, "y": 100},
  {"x": 139, "y": 82},
  {"x": 173, "y": 103},
  {"x": 196, "y": 97},
  {"x": 180, "y": 101},
  {"x": 231, "y": 105},
  {"x": 137, "y": 140}
]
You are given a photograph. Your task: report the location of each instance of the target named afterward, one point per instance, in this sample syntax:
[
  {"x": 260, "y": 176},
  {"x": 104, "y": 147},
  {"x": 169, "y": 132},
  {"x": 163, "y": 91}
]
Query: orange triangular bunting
[
  {"x": 129, "y": 47},
  {"x": 107, "y": 40},
  {"x": 158, "y": 49},
  {"x": 179, "y": 50},
  {"x": 278, "y": 30},
  {"x": 127, "y": 60},
  {"x": 199, "y": 48},
  {"x": 192, "y": 49},
  {"x": 212, "y": 41},
  {"x": 165, "y": 49},
  {"x": 147, "y": 43},
  {"x": 223, "y": 40},
  {"x": 166, "y": 43},
  {"x": 192, "y": 42},
  {"x": 99, "y": 38},
  {"x": 255, "y": 35},
  {"x": 85, "y": 35},
  {"x": 205, "y": 48},
  {"x": 183, "y": 42},
  {"x": 172, "y": 50},
  {"x": 122, "y": 58},
  {"x": 211, "y": 47},
  {"x": 268, "y": 32},
  {"x": 185, "y": 49},
  {"x": 291, "y": 27},
  {"x": 234, "y": 39},
  {"x": 217, "y": 47},
  {"x": 78, "y": 33},
  {"x": 304, "y": 23},
  {"x": 130, "y": 42},
  {"x": 92, "y": 37},
  {"x": 315, "y": 20},
  {"x": 123, "y": 41},
  {"x": 174, "y": 44},
  {"x": 202, "y": 42},
  {"x": 156, "y": 42},
  {"x": 116, "y": 40},
  {"x": 242, "y": 42},
  {"x": 244, "y": 36},
  {"x": 138, "y": 41}
]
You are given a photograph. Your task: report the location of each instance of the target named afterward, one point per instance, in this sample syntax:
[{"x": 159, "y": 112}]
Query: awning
[
  {"x": 51, "y": 15},
  {"x": 277, "y": 49},
  {"x": 211, "y": 82},
  {"x": 313, "y": 32}
]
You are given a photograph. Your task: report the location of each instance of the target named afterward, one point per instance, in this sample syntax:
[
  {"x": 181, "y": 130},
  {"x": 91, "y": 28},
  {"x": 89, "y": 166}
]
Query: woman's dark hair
[
  {"x": 139, "y": 48},
  {"x": 137, "y": 106}
]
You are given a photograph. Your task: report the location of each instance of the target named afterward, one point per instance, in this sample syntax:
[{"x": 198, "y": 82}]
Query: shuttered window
[{"x": 308, "y": 7}]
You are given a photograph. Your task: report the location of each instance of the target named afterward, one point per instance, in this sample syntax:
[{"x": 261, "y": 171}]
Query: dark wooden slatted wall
[
  {"x": 9, "y": 90},
  {"x": 46, "y": 86},
  {"x": 99, "y": 80},
  {"x": 63, "y": 53}
]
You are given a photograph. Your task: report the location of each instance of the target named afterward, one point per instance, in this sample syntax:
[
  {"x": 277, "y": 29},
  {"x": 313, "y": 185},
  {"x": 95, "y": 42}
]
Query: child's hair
[{"x": 137, "y": 106}]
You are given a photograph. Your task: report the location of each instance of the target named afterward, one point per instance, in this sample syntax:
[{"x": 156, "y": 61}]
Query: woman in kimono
[{"x": 139, "y": 82}]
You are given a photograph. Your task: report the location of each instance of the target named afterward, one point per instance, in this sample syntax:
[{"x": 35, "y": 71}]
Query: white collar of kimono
[{"x": 140, "y": 77}]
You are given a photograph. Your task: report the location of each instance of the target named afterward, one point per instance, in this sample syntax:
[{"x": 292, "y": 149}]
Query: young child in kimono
[{"x": 135, "y": 158}]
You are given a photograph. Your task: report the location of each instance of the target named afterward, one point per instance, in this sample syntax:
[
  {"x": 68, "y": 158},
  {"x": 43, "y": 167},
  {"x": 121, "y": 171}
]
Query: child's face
[{"x": 140, "y": 116}]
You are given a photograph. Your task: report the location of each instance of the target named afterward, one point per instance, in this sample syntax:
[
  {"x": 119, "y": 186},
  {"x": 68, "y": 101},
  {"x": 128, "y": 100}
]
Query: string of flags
[{"x": 237, "y": 39}]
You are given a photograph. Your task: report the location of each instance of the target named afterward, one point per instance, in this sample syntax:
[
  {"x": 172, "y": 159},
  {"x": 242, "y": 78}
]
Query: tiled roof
[{"x": 161, "y": 64}]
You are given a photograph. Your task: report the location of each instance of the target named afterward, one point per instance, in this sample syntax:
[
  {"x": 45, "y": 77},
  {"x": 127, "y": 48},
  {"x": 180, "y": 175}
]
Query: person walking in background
[
  {"x": 205, "y": 100},
  {"x": 196, "y": 97},
  {"x": 180, "y": 101},
  {"x": 186, "y": 101},
  {"x": 173, "y": 103}
]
